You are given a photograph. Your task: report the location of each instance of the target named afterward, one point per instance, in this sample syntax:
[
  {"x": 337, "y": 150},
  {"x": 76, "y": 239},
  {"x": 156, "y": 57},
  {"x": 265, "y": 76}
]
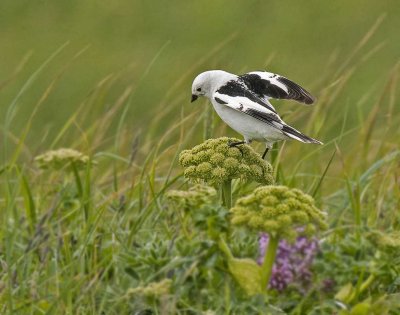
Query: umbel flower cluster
[
  {"x": 193, "y": 198},
  {"x": 214, "y": 162},
  {"x": 387, "y": 242},
  {"x": 293, "y": 262},
  {"x": 280, "y": 211},
  {"x": 57, "y": 159},
  {"x": 153, "y": 289}
]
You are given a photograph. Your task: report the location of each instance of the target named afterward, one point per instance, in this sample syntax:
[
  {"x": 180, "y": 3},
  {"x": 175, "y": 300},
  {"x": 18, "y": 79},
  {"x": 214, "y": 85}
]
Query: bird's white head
[{"x": 206, "y": 83}]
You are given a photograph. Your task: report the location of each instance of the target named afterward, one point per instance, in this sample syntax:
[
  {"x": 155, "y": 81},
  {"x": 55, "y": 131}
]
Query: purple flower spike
[{"x": 292, "y": 263}]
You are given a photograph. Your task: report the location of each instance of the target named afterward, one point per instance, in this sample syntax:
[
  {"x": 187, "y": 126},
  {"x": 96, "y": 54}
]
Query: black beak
[{"x": 194, "y": 97}]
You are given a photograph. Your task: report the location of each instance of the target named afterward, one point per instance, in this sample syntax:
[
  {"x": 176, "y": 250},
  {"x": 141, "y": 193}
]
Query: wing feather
[
  {"x": 269, "y": 85},
  {"x": 236, "y": 88}
]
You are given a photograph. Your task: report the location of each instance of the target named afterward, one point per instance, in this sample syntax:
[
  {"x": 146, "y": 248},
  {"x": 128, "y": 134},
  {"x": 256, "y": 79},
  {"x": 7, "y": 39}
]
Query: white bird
[{"x": 242, "y": 101}]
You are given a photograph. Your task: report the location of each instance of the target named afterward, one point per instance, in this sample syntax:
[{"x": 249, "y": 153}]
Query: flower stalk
[
  {"x": 269, "y": 260},
  {"x": 224, "y": 248},
  {"x": 227, "y": 193}
]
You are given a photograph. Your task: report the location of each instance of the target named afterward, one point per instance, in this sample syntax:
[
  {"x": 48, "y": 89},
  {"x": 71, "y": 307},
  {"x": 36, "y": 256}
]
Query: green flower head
[
  {"x": 57, "y": 159},
  {"x": 387, "y": 242},
  {"x": 214, "y": 162},
  {"x": 193, "y": 198},
  {"x": 153, "y": 289},
  {"x": 280, "y": 211}
]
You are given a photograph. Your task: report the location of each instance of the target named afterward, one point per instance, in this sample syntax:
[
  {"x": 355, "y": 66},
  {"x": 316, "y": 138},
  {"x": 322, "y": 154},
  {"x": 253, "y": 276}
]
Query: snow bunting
[{"x": 242, "y": 101}]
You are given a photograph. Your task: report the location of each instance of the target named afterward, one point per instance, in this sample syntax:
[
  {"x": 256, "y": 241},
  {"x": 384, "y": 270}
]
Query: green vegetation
[
  {"x": 214, "y": 162},
  {"x": 113, "y": 224},
  {"x": 281, "y": 211}
]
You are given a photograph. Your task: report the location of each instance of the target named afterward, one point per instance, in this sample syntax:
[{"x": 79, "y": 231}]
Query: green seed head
[
  {"x": 153, "y": 289},
  {"x": 280, "y": 211},
  {"x": 386, "y": 242},
  {"x": 194, "y": 198},
  {"x": 214, "y": 162},
  {"x": 57, "y": 159}
]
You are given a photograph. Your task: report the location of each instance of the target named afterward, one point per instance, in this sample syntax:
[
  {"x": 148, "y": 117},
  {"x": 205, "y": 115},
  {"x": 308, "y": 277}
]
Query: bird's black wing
[{"x": 268, "y": 85}]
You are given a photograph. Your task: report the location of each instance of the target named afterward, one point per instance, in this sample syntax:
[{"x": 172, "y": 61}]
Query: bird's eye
[{"x": 199, "y": 90}]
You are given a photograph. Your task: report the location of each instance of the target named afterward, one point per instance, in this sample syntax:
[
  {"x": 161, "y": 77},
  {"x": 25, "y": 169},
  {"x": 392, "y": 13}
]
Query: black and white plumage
[
  {"x": 243, "y": 103},
  {"x": 268, "y": 85}
]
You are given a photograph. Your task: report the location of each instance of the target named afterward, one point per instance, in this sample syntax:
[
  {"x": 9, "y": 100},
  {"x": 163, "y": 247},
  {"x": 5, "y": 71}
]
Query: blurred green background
[{"x": 158, "y": 47}]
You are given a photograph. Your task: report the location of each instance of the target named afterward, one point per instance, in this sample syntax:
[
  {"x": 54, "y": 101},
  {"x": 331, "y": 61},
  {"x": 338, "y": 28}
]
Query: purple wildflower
[{"x": 292, "y": 263}]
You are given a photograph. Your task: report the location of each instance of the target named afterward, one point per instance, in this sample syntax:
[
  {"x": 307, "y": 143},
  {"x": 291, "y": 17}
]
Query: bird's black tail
[{"x": 295, "y": 134}]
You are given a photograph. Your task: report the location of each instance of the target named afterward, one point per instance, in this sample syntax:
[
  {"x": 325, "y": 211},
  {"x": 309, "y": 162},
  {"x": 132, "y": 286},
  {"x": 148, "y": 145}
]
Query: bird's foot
[{"x": 236, "y": 144}]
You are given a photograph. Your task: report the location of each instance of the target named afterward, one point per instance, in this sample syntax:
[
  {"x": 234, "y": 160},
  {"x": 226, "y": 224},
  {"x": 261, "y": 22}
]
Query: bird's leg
[
  {"x": 269, "y": 146},
  {"x": 235, "y": 145},
  {"x": 265, "y": 152}
]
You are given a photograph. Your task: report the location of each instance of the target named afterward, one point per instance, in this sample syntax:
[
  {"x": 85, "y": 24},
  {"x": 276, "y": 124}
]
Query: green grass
[{"x": 79, "y": 241}]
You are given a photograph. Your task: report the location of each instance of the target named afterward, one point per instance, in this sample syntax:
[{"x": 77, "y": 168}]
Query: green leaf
[
  {"x": 362, "y": 308},
  {"x": 29, "y": 201},
  {"x": 386, "y": 303},
  {"x": 247, "y": 273},
  {"x": 131, "y": 272},
  {"x": 345, "y": 293}
]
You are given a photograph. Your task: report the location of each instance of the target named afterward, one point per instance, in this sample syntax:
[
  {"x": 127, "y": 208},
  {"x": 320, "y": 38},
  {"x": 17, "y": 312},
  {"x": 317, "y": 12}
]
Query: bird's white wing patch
[
  {"x": 237, "y": 88},
  {"x": 268, "y": 85},
  {"x": 249, "y": 107}
]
